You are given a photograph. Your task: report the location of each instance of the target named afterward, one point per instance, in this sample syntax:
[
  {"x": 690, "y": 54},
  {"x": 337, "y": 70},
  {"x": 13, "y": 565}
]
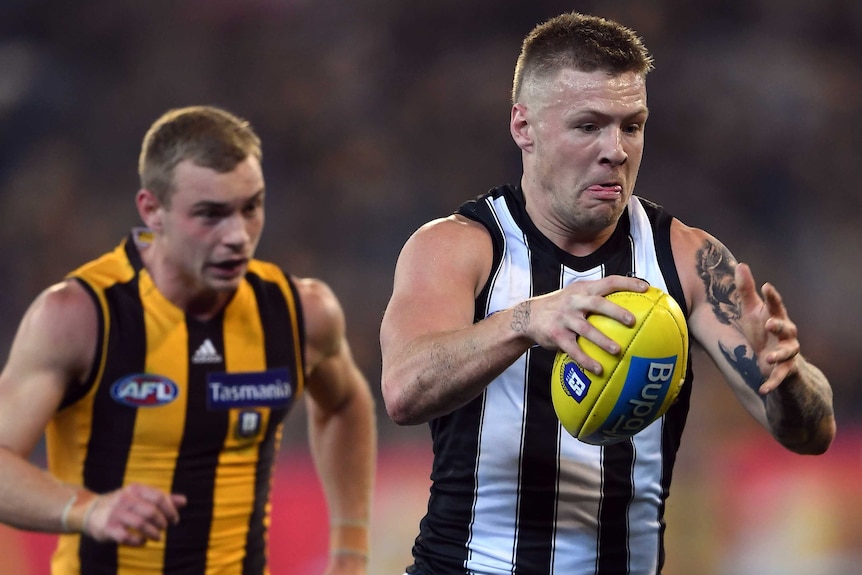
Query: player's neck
[{"x": 184, "y": 292}]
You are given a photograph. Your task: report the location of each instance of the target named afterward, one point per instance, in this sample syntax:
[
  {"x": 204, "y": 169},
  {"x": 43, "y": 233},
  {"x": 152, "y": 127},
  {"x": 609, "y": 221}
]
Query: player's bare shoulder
[
  {"x": 455, "y": 247},
  {"x": 60, "y": 329},
  {"x": 687, "y": 240},
  {"x": 67, "y": 309},
  {"x": 450, "y": 233}
]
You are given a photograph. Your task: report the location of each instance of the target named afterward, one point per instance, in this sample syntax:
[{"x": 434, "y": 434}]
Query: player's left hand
[{"x": 768, "y": 328}]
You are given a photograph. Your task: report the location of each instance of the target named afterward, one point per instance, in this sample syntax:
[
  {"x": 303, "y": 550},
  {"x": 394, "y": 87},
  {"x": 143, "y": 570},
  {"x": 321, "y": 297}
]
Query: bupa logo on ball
[
  {"x": 575, "y": 382},
  {"x": 144, "y": 390},
  {"x": 647, "y": 384}
]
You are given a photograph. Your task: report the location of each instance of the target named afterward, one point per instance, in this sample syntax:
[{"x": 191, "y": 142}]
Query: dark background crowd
[{"x": 378, "y": 115}]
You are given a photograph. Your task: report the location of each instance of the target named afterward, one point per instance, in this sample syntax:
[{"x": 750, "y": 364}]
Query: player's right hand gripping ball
[{"x": 637, "y": 385}]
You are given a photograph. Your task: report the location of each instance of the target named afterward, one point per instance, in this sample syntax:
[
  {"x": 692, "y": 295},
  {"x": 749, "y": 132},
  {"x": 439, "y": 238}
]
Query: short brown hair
[
  {"x": 579, "y": 41},
  {"x": 208, "y": 136}
]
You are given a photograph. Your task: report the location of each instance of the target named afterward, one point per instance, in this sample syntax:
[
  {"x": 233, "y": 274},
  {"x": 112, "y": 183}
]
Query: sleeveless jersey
[
  {"x": 187, "y": 406},
  {"x": 512, "y": 491}
]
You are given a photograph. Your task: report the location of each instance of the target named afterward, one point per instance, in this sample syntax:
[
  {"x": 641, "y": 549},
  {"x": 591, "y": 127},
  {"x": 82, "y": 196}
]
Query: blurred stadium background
[{"x": 378, "y": 115}]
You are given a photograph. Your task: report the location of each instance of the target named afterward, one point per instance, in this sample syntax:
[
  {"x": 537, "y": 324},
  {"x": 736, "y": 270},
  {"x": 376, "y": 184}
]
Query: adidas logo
[{"x": 206, "y": 353}]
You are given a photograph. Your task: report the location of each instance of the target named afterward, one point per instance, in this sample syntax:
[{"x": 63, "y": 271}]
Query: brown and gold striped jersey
[{"x": 191, "y": 407}]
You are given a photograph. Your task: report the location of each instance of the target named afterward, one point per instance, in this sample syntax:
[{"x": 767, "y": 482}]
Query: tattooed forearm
[
  {"x": 744, "y": 365},
  {"x": 521, "y": 317},
  {"x": 715, "y": 266}
]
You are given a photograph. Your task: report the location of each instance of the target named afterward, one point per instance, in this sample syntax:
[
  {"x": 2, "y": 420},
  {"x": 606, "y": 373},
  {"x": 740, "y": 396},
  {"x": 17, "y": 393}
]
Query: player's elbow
[
  {"x": 401, "y": 406},
  {"x": 811, "y": 442},
  {"x": 400, "y": 416},
  {"x": 823, "y": 438},
  {"x": 397, "y": 407}
]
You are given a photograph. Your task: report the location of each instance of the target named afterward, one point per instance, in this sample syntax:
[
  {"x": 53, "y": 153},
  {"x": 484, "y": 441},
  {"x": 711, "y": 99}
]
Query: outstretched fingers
[
  {"x": 774, "y": 301},
  {"x": 783, "y": 343}
]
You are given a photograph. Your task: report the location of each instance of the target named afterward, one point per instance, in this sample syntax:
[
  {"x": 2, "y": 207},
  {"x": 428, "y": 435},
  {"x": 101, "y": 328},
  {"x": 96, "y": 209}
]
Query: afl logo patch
[{"x": 144, "y": 390}]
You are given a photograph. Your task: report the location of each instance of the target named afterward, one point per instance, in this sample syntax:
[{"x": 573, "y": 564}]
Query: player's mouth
[
  {"x": 606, "y": 190},
  {"x": 229, "y": 268}
]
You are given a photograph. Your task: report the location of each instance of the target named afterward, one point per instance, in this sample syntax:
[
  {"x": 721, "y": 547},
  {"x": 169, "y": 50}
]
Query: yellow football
[{"x": 637, "y": 385}]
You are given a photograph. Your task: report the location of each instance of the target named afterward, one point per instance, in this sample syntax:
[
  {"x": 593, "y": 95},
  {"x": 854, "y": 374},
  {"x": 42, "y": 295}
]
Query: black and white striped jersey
[{"x": 512, "y": 491}]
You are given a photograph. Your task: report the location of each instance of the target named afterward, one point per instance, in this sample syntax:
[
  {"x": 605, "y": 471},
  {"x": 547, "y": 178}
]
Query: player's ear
[
  {"x": 520, "y": 128},
  {"x": 150, "y": 209}
]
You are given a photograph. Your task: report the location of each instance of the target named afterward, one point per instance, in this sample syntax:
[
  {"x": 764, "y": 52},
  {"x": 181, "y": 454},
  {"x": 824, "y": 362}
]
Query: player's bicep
[
  {"x": 332, "y": 376},
  {"x": 439, "y": 272},
  {"x": 52, "y": 349},
  {"x": 335, "y": 381}
]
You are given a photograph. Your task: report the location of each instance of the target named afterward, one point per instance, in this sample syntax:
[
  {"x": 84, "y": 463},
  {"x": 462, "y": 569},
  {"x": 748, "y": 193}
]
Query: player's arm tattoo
[
  {"x": 745, "y": 365},
  {"x": 715, "y": 265},
  {"x": 521, "y": 317}
]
